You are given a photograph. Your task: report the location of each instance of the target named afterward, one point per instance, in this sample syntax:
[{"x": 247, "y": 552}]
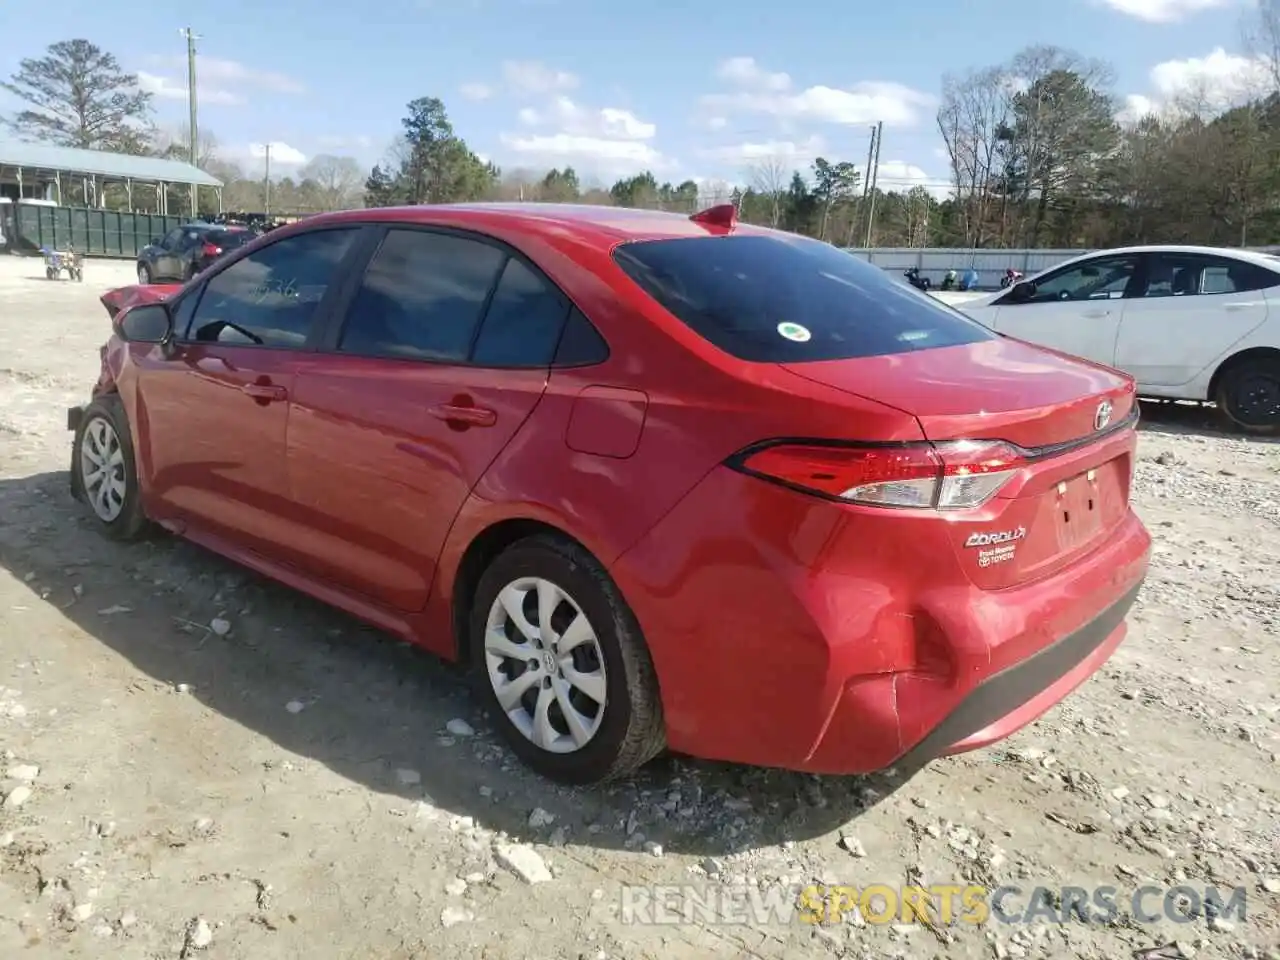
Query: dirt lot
[{"x": 199, "y": 763}]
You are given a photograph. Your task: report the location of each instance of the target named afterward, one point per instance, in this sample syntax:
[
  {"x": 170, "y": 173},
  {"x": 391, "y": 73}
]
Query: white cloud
[
  {"x": 218, "y": 81},
  {"x": 745, "y": 72},
  {"x": 476, "y": 91},
  {"x": 787, "y": 152},
  {"x": 1166, "y": 11},
  {"x": 530, "y": 77},
  {"x": 898, "y": 176},
  {"x": 760, "y": 91},
  {"x": 282, "y": 155},
  {"x": 609, "y": 140},
  {"x": 165, "y": 88},
  {"x": 1213, "y": 83}
]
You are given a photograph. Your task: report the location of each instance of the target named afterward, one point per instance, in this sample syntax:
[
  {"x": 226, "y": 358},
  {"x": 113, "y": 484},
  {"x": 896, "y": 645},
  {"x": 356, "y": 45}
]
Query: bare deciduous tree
[{"x": 770, "y": 178}]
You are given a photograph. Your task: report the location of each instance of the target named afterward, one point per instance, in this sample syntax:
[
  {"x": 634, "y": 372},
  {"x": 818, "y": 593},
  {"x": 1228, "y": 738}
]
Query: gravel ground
[{"x": 199, "y": 763}]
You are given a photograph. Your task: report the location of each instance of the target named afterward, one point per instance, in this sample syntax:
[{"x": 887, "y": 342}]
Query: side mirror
[
  {"x": 1022, "y": 291},
  {"x": 146, "y": 323}
]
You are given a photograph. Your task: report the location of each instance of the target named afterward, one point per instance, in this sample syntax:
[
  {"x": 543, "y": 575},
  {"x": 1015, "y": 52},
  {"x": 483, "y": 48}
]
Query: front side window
[
  {"x": 172, "y": 239},
  {"x": 422, "y": 297},
  {"x": 774, "y": 299},
  {"x": 1101, "y": 279},
  {"x": 270, "y": 298}
]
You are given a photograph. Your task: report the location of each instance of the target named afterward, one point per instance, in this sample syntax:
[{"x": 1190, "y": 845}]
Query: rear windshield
[
  {"x": 228, "y": 238},
  {"x": 783, "y": 300}
]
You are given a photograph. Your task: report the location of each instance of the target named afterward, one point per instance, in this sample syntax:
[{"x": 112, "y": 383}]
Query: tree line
[{"x": 1039, "y": 155}]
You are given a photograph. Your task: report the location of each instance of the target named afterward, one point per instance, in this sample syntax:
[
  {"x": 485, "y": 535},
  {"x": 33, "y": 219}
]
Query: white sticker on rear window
[{"x": 793, "y": 331}]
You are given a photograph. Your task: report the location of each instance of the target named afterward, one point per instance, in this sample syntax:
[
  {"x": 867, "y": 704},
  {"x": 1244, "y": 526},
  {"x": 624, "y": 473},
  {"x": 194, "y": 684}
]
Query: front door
[
  {"x": 443, "y": 354},
  {"x": 164, "y": 264},
  {"x": 215, "y": 404},
  {"x": 1076, "y": 310}
]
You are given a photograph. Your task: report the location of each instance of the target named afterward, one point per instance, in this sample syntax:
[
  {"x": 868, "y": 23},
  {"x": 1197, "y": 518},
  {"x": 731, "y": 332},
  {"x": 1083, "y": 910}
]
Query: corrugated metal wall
[
  {"x": 990, "y": 264},
  {"x": 94, "y": 233}
]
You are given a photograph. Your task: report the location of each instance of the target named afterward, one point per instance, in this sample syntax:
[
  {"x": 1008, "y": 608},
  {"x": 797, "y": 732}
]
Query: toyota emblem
[{"x": 1103, "y": 415}]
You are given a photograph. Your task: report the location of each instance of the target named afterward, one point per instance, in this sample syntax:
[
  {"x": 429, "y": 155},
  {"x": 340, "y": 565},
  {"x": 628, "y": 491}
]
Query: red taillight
[
  {"x": 209, "y": 250},
  {"x": 953, "y": 475}
]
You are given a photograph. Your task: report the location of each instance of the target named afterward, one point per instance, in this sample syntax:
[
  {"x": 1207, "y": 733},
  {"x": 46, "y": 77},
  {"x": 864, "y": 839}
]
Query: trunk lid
[
  {"x": 1000, "y": 389},
  {"x": 1059, "y": 503}
]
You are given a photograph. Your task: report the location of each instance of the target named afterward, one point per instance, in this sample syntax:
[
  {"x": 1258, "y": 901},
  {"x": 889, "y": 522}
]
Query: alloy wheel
[{"x": 545, "y": 665}]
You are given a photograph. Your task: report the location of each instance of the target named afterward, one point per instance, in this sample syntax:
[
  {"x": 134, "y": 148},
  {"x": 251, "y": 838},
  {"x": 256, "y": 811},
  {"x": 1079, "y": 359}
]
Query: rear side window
[
  {"x": 780, "y": 300},
  {"x": 523, "y": 324}
]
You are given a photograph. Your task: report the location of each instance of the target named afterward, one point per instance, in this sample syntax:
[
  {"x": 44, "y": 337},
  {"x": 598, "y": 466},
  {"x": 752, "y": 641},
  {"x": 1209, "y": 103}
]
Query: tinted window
[
  {"x": 172, "y": 239},
  {"x": 523, "y": 324},
  {"x": 581, "y": 344},
  {"x": 270, "y": 298},
  {"x": 1101, "y": 279},
  {"x": 228, "y": 239},
  {"x": 421, "y": 297},
  {"x": 776, "y": 300},
  {"x": 184, "y": 312},
  {"x": 1171, "y": 275}
]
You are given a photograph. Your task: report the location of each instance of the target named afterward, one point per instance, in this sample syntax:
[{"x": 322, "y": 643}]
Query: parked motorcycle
[
  {"x": 914, "y": 278},
  {"x": 1010, "y": 277}
]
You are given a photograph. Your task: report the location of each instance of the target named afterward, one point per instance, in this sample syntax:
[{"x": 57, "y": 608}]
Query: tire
[
  {"x": 1248, "y": 396},
  {"x": 50, "y": 273},
  {"x": 144, "y": 274},
  {"x": 623, "y": 733},
  {"x": 103, "y": 433}
]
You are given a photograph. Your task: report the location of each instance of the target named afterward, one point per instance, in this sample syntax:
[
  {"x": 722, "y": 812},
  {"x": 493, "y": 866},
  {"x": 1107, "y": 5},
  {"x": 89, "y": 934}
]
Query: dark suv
[{"x": 187, "y": 250}]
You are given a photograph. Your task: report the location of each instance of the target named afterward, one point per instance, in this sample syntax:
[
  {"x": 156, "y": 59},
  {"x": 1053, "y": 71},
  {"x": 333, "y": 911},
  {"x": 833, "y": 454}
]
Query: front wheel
[
  {"x": 144, "y": 274},
  {"x": 560, "y": 662},
  {"x": 104, "y": 471},
  {"x": 1248, "y": 396}
]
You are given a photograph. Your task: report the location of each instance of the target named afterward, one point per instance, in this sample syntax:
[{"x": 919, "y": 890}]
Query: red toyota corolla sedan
[{"x": 662, "y": 481}]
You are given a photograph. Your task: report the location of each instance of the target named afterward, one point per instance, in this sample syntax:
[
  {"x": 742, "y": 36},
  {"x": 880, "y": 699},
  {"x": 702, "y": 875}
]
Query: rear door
[
  {"x": 441, "y": 355},
  {"x": 1075, "y": 309},
  {"x": 1191, "y": 310},
  {"x": 212, "y": 409}
]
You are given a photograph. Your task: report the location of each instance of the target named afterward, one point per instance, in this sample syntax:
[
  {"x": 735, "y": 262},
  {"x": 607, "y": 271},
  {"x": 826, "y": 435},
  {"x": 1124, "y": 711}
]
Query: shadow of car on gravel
[
  {"x": 323, "y": 686},
  {"x": 1180, "y": 419}
]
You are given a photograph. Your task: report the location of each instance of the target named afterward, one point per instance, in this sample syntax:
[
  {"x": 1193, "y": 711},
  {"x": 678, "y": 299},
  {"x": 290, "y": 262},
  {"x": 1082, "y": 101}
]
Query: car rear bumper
[{"x": 794, "y": 633}]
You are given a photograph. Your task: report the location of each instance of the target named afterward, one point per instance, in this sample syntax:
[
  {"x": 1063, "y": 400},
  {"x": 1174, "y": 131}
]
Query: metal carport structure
[{"x": 46, "y": 167}]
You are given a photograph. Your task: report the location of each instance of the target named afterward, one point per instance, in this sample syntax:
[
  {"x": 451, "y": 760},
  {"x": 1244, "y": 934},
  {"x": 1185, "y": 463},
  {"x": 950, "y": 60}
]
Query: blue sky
[{"x": 702, "y": 90}]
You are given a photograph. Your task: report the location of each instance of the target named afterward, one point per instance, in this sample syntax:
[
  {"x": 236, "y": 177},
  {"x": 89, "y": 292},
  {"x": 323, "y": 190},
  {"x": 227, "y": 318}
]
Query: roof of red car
[{"x": 602, "y": 224}]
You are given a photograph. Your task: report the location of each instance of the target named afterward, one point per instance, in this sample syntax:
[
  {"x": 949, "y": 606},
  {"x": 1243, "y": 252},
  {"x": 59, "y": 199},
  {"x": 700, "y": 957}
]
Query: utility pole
[
  {"x": 193, "y": 146},
  {"x": 866, "y": 186},
  {"x": 267, "y": 182},
  {"x": 875, "y": 176}
]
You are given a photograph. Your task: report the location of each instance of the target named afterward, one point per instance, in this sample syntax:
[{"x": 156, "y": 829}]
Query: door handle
[
  {"x": 471, "y": 416},
  {"x": 1242, "y": 306},
  {"x": 266, "y": 392},
  {"x": 1095, "y": 314}
]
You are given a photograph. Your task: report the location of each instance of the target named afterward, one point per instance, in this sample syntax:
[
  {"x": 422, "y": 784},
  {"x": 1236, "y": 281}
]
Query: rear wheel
[
  {"x": 105, "y": 474},
  {"x": 559, "y": 660},
  {"x": 1248, "y": 395}
]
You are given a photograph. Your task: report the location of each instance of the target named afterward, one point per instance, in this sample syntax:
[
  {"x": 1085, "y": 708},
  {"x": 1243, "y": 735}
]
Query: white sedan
[{"x": 1188, "y": 323}]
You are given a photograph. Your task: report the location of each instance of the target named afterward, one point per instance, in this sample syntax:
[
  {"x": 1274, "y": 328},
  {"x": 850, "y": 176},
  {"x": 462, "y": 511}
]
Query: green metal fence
[{"x": 94, "y": 233}]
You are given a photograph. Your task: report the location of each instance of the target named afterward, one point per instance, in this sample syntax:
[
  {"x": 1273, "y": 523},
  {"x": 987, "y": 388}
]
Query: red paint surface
[{"x": 786, "y": 629}]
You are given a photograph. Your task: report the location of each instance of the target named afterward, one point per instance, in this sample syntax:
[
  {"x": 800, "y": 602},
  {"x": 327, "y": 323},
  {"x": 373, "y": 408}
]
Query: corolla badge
[
  {"x": 1102, "y": 416},
  {"x": 991, "y": 539}
]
